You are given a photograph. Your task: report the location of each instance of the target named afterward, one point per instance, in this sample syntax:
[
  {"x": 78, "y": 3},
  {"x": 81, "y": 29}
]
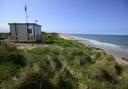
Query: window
[{"x": 30, "y": 31}]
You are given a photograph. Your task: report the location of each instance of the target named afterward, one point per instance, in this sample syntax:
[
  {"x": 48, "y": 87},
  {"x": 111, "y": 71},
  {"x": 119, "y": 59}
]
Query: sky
[{"x": 68, "y": 16}]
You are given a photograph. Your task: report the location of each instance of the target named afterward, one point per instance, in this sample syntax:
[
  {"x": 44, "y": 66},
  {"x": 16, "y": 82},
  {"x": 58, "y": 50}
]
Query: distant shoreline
[{"x": 117, "y": 57}]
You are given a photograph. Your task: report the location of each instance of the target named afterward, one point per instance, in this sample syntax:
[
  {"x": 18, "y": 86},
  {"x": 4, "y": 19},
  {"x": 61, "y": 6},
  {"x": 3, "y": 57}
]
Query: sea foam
[
  {"x": 96, "y": 42},
  {"x": 110, "y": 48}
]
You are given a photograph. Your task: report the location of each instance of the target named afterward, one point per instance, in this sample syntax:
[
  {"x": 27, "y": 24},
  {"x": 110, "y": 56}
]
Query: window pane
[{"x": 29, "y": 31}]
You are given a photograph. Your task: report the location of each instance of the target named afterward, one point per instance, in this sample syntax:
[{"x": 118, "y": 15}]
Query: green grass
[{"x": 62, "y": 64}]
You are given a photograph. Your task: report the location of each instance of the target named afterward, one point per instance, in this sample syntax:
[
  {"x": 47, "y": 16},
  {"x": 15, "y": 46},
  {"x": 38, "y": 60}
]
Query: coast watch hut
[{"x": 25, "y": 32}]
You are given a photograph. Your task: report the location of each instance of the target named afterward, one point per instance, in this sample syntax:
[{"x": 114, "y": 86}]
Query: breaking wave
[{"x": 96, "y": 43}]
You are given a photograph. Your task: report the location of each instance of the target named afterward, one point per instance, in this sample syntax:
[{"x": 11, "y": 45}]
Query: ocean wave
[{"x": 96, "y": 43}]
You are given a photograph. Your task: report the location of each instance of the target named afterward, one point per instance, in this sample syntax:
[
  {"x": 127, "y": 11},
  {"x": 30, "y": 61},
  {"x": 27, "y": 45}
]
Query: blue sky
[{"x": 69, "y": 16}]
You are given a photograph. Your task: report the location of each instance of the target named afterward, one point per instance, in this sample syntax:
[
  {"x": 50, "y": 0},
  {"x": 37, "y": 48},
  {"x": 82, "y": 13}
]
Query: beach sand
[
  {"x": 67, "y": 37},
  {"x": 117, "y": 57}
]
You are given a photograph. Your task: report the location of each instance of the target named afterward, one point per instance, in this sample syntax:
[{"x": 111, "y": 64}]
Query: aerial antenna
[{"x": 26, "y": 11}]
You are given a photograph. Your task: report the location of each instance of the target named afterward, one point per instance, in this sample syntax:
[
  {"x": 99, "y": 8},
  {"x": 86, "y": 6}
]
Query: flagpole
[
  {"x": 26, "y": 12},
  {"x": 26, "y": 17}
]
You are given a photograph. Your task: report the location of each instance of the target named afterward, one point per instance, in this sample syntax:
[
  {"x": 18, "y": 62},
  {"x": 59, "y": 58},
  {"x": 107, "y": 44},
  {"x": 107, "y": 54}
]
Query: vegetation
[
  {"x": 61, "y": 64},
  {"x": 4, "y": 36}
]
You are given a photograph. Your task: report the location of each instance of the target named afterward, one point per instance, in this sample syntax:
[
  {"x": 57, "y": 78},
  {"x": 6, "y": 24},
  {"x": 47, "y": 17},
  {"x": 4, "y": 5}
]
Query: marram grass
[{"x": 62, "y": 64}]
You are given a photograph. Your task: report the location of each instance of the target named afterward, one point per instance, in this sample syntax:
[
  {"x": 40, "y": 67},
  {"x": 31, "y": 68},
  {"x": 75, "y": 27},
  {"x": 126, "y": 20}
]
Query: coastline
[
  {"x": 64, "y": 63},
  {"x": 118, "y": 58}
]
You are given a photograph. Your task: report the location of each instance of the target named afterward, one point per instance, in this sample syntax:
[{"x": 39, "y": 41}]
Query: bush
[{"x": 49, "y": 38}]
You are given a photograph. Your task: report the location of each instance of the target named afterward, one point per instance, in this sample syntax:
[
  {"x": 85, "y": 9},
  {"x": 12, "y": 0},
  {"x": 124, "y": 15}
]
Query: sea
[{"x": 117, "y": 45}]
